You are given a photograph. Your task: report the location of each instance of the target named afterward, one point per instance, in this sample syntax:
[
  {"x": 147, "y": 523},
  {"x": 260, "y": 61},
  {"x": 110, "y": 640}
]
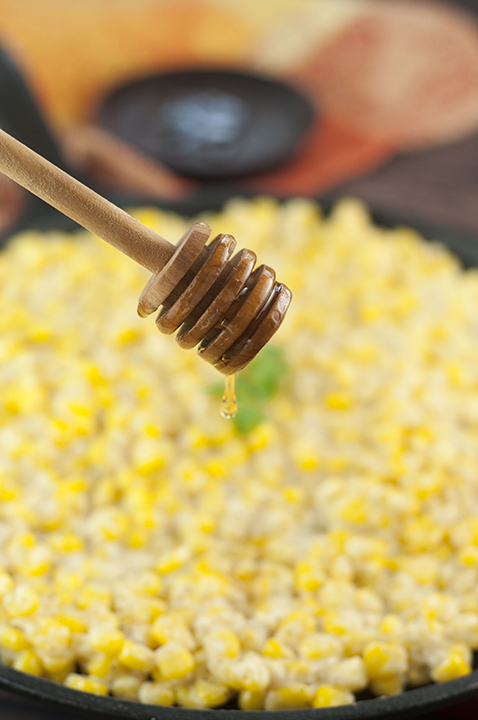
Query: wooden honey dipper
[{"x": 220, "y": 302}]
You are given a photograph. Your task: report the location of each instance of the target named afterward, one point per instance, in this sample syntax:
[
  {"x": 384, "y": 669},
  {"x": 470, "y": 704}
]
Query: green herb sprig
[{"x": 256, "y": 385}]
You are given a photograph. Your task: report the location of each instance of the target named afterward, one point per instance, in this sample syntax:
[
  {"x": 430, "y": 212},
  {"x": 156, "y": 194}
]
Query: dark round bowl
[
  {"x": 210, "y": 125},
  {"x": 408, "y": 703}
]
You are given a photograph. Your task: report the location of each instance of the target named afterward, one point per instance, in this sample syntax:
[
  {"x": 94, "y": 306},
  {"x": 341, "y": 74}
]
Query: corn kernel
[
  {"x": 225, "y": 643},
  {"x": 339, "y": 402},
  {"x": 249, "y": 700},
  {"x": 22, "y": 600},
  {"x": 91, "y": 685},
  {"x": 99, "y": 666},
  {"x": 156, "y": 693},
  {"x": 107, "y": 640},
  {"x": 307, "y": 577},
  {"x": 387, "y": 685},
  {"x": 126, "y": 687},
  {"x": 172, "y": 560},
  {"x": 6, "y": 583},
  {"x": 321, "y": 645},
  {"x": 173, "y": 661},
  {"x": 12, "y": 639},
  {"x": 171, "y": 626},
  {"x": 203, "y": 694},
  {"x": 330, "y": 696},
  {"x": 73, "y": 622},
  {"x": 384, "y": 660},
  {"x": 468, "y": 555},
  {"x": 29, "y": 662},
  {"x": 276, "y": 649},
  {"x": 136, "y": 656},
  {"x": 455, "y": 665},
  {"x": 287, "y": 698}
]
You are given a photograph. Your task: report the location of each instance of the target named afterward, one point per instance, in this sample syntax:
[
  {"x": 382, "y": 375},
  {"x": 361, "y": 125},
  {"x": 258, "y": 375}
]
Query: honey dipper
[{"x": 213, "y": 298}]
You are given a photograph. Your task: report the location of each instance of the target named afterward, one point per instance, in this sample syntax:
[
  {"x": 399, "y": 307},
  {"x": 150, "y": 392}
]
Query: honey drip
[{"x": 229, "y": 402}]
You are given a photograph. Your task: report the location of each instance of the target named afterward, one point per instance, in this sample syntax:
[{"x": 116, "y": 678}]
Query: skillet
[
  {"x": 16, "y": 98},
  {"x": 410, "y": 702}
]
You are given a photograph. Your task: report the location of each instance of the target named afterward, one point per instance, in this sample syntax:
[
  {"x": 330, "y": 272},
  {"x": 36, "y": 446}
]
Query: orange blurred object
[{"x": 387, "y": 75}]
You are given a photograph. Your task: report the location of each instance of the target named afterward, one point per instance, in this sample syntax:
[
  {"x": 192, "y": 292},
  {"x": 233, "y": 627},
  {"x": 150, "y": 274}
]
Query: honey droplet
[{"x": 229, "y": 402}]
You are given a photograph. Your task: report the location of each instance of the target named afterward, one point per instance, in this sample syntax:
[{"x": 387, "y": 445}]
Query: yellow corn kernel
[
  {"x": 300, "y": 619},
  {"x": 137, "y": 539},
  {"x": 147, "y": 582},
  {"x": 95, "y": 377},
  {"x": 186, "y": 698},
  {"x": 305, "y": 454},
  {"x": 90, "y": 595},
  {"x": 260, "y": 437},
  {"x": 387, "y": 685},
  {"x": 173, "y": 661},
  {"x": 73, "y": 622},
  {"x": 51, "y": 636},
  {"x": 203, "y": 694},
  {"x": 99, "y": 665},
  {"x": 66, "y": 542},
  {"x": 152, "y": 430},
  {"x": 6, "y": 583},
  {"x": 127, "y": 336},
  {"x": 22, "y": 600},
  {"x": 251, "y": 700},
  {"x": 56, "y": 668},
  {"x": 456, "y": 664},
  {"x": 136, "y": 656},
  {"x": 321, "y": 645},
  {"x": 293, "y": 494},
  {"x": 338, "y": 401},
  {"x": 173, "y": 559},
  {"x": 86, "y": 684},
  {"x": 465, "y": 532},
  {"x": 468, "y": 555},
  {"x": 354, "y": 511},
  {"x": 156, "y": 693},
  {"x": 125, "y": 687},
  {"x": 330, "y": 696},
  {"x": 109, "y": 641},
  {"x": 384, "y": 660},
  {"x": 289, "y": 698},
  {"x": 307, "y": 577},
  {"x": 153, "y": 606},
  {"x": 391, "y": 624},
  {"x": 171, "y": 626},
  {"x": 23, "y": 540},
  {"x": 215, "y": 468},
  {"x": 29, "y": 662},
  {"x": 12, "y": 639},
  {"x": 333, "y": 624},
  {"x": 211, "y": 694},
  {"x": 37, "y": 562},
  {"x": 421, "y": 534},
  {"x": 276, "y": 649},
  {"x": 371, "y": 312},
  {"x": 226, "y": 643},
  {"x": 7, "y": 492}
]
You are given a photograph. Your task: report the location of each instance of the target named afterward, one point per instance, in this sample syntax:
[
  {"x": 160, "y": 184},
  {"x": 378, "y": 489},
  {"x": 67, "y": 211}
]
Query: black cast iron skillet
[
  {"x": 410, "y": 702},
  {"x": 15, "y": 100}
]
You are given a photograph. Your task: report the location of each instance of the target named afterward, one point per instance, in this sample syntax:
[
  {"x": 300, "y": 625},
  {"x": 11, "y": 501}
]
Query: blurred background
[{"x": 389, "y": 93}]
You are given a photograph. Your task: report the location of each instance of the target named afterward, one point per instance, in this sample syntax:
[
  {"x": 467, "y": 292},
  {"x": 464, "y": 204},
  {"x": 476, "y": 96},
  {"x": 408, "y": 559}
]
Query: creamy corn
[{"x": 150, "y": 551}]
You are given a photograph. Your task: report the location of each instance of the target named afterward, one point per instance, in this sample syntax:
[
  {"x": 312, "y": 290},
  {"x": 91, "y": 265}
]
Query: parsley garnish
[{"x": 256, "y": 385}]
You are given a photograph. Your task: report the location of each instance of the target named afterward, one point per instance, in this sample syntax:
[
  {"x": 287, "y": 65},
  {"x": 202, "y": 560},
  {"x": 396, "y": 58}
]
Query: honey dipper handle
[{"x": 83, "y": 205}]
